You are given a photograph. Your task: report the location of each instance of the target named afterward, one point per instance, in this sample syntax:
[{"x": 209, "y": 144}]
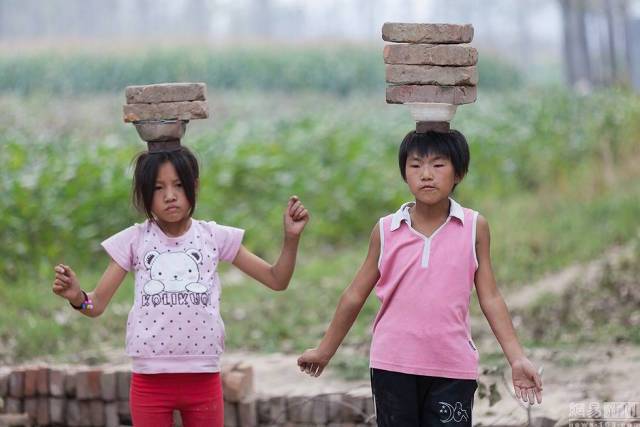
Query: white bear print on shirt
[{"x": 173, "y": 272}]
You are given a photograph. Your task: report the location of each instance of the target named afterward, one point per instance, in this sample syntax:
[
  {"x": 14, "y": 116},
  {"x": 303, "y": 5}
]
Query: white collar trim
[{"x": 402, "y": 214}]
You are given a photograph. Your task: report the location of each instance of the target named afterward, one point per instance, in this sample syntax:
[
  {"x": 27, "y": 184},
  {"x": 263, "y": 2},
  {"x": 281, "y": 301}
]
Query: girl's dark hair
[
  {"x": 452, "y": 145},
  {"x": 146, "y": 172}
]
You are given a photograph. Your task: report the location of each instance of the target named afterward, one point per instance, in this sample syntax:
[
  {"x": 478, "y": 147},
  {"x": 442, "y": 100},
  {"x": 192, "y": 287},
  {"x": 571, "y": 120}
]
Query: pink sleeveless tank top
[{"x": 425, "y": 287}]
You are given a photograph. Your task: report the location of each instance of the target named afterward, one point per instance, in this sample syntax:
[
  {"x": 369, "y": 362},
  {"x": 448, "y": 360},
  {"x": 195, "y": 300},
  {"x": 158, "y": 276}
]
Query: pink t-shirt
[
  {"x": 425, "y": 287},
  {"x": 175, "y": 325}
]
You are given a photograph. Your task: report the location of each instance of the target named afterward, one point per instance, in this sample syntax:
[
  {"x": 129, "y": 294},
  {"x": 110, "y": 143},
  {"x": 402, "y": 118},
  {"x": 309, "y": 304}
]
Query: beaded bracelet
[{"x": 86, "y": 304}]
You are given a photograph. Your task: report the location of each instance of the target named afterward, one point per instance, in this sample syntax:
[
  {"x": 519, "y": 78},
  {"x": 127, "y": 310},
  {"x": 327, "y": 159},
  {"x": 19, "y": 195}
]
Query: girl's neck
[
  {"x": 174, "y": 229},
  {"x": 423, "y": 213}
]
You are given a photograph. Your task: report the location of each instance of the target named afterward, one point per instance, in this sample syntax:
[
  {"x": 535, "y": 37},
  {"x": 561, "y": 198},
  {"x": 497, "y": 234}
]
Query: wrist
[
  {"x": 82, "y": 301},
  {"x": 291, "y": 237}
]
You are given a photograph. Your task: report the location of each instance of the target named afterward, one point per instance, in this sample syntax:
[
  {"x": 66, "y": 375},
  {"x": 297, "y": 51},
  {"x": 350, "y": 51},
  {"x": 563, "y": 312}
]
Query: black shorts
[{"x": 405, "y": 400}]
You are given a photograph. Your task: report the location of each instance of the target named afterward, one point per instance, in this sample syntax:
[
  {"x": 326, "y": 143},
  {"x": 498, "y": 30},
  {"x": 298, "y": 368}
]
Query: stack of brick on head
[
  {"x": 160, "y": 112},
  {"x": 431, "y": 69}
]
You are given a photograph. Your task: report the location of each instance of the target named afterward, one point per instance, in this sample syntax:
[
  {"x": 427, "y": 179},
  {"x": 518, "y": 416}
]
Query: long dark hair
[{"x": 146, "y": 172}]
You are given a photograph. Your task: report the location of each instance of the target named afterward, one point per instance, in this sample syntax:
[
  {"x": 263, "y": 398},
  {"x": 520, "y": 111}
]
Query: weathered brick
[
  {"x": 78, "y": 413},
  {"x": 96, "y": 408},
  {"x": 57, "y": 410},
  {"x": 30, "y": 381},
  {"x": 456, "y": 95},
  {"x": 13, "y": 405},
  {"x": 166, "y": 111},
  {"x": 88, "y": 384},
  {"x": 124, "y": 384},
  {"x": 16, "y": 383},
  {"x": 70, "y": 382},
  {"x": 237, "y": 383},
  {"x": 352, "y": 408},
  {"x": 247, "y": 414},
  {"x": 4, "y": 381},
  {"x": 43, "y": 381},
  {"x": 124, "y": 411},
  {"x": 426, "y": 33},
  {"x": 430, "y": 54},
  {"x": 43, "y": 414},
  {"x": 431, "y": 75},
  {"x": 272, "y": 410},
  {"x": 166, "y": 92},
  {"x": 300, "y": 409},
  {"x": 111, "y": 418},
  {"x": 17, "y": 420},
  {"x": 334, "y": 408},
  {"x": 109, "y": 385},
  {"x": 230, "y": 414},
  {"x": 56, "y": 382},
  {"x": 31, "y": 407}
]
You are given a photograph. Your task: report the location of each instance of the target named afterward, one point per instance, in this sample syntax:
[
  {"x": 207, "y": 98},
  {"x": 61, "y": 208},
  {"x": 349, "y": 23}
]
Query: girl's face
[
  {"x": 170, "y": 204},
  {"x": 430, "y": 178}
]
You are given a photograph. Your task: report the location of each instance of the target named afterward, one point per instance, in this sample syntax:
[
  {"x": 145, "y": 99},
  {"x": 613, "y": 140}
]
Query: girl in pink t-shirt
[
  {"x": 175, "y": 335},
  {"x": 423, "y": 263}
]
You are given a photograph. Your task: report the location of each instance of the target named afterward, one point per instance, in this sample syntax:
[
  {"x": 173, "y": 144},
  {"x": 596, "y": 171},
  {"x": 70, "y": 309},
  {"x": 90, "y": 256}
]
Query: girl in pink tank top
[{"x": 423, "y": 263}]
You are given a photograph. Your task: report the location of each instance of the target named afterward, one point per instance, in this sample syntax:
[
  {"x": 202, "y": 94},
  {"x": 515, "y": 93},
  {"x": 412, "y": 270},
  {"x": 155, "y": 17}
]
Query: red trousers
[{"x": 198, "y": 397}]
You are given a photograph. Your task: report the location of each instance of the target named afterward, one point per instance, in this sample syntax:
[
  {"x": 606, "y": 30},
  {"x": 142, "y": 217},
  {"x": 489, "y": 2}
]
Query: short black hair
[
  {"x": 146, "y": 172},
  {"x": 451, "y": 145}
]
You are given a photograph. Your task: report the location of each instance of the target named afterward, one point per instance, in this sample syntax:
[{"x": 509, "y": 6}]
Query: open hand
[
  {"x": 312, "y": 362},
  {"x": 66, "y": 283},
  {"x": 527, "y": 383},
  {"x": 296, "y": 217}
]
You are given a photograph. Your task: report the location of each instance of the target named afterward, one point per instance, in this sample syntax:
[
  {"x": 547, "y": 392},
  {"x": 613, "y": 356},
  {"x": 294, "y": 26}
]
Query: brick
[
  {"x": 96, "y": 409},
  {"x": 230, "y": 414},
  {"x": 15, "y": 420},
  {"x": 30, "y": 381},
  {"x": 88, "y": 384},
  {"x": 352, "y": 408},
  {"x": 166, "y": 92},
  {"x": 123, "y": 384},
  {"x": 300, "y": 409},
  {"x": 426, "y": 33},
  {"x": 43, "y": 381},
  {"x": 13, "y": 405},
  {"x": 43, "y": 414},
  {"x": 111, "y": 418},
  {"x": 430, "y": 54},
  {"x": 166, "y": 111},
  {"x": 4, "y": 382},
  {"x": 272, "y": 410},
  {"x": 16, "y": 383},
  {"x": 431, "y": 75},
  {"x": 57, "y": 410},
  {"x": 237, "y": 383},
  {"x": 31, "y": 407},
  {"x": 247, "y": 413},
  {"x": 334, "y": 408},
  {"x": 56, "y": 382},
  {"x": 70, "y": 383},
  {"x": 124, "y": 411},
  {"x": 109, "y": 386},
  {"x": 456, "y": 95},
  {"x": 78, "y": 413}
]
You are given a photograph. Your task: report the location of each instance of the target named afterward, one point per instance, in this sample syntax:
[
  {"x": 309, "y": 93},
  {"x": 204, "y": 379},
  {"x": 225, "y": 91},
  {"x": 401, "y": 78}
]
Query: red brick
[
  {"x": 109, "y": 385},
  {"x": 430, "y": 54},
  {"x": 31, "y": 407},
  {"x": 16, "y": 383},
  {"x": 43, "y": 381},
  {"x": 427, "y": 33},
  {"x": 88, "y": 384},
  {"x": 166, "y": 111},
  {"x": 57, "y": 410},
  {"x": 431, "y": 75},
  {"x": 56, "y": 382},
  {"x": 166, "y": 92},
  {"x": 96, "y": 407},
  {"x": 123, "y": 384},
  {"x": 43, "y": 417},
  {"x": 456, "y": 95},
  {"x": 31, "y": 381}
]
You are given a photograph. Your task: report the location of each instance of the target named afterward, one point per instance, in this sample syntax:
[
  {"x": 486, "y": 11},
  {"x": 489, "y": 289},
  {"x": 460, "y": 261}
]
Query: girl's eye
[
  {"x": 439, "y": 165},
  {"x": 158, "y": 188}
]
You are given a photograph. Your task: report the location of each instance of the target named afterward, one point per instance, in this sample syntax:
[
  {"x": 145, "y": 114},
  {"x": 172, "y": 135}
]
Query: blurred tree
[{"x": 596, "y": 42}]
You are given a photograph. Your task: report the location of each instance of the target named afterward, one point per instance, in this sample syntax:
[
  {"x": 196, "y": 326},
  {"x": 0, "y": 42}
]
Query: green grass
[{"x": 555, "y": 175}]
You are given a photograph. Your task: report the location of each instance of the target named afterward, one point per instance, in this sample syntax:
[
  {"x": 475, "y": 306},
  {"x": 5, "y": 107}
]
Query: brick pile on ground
[{"x": 430, "y": 63}]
